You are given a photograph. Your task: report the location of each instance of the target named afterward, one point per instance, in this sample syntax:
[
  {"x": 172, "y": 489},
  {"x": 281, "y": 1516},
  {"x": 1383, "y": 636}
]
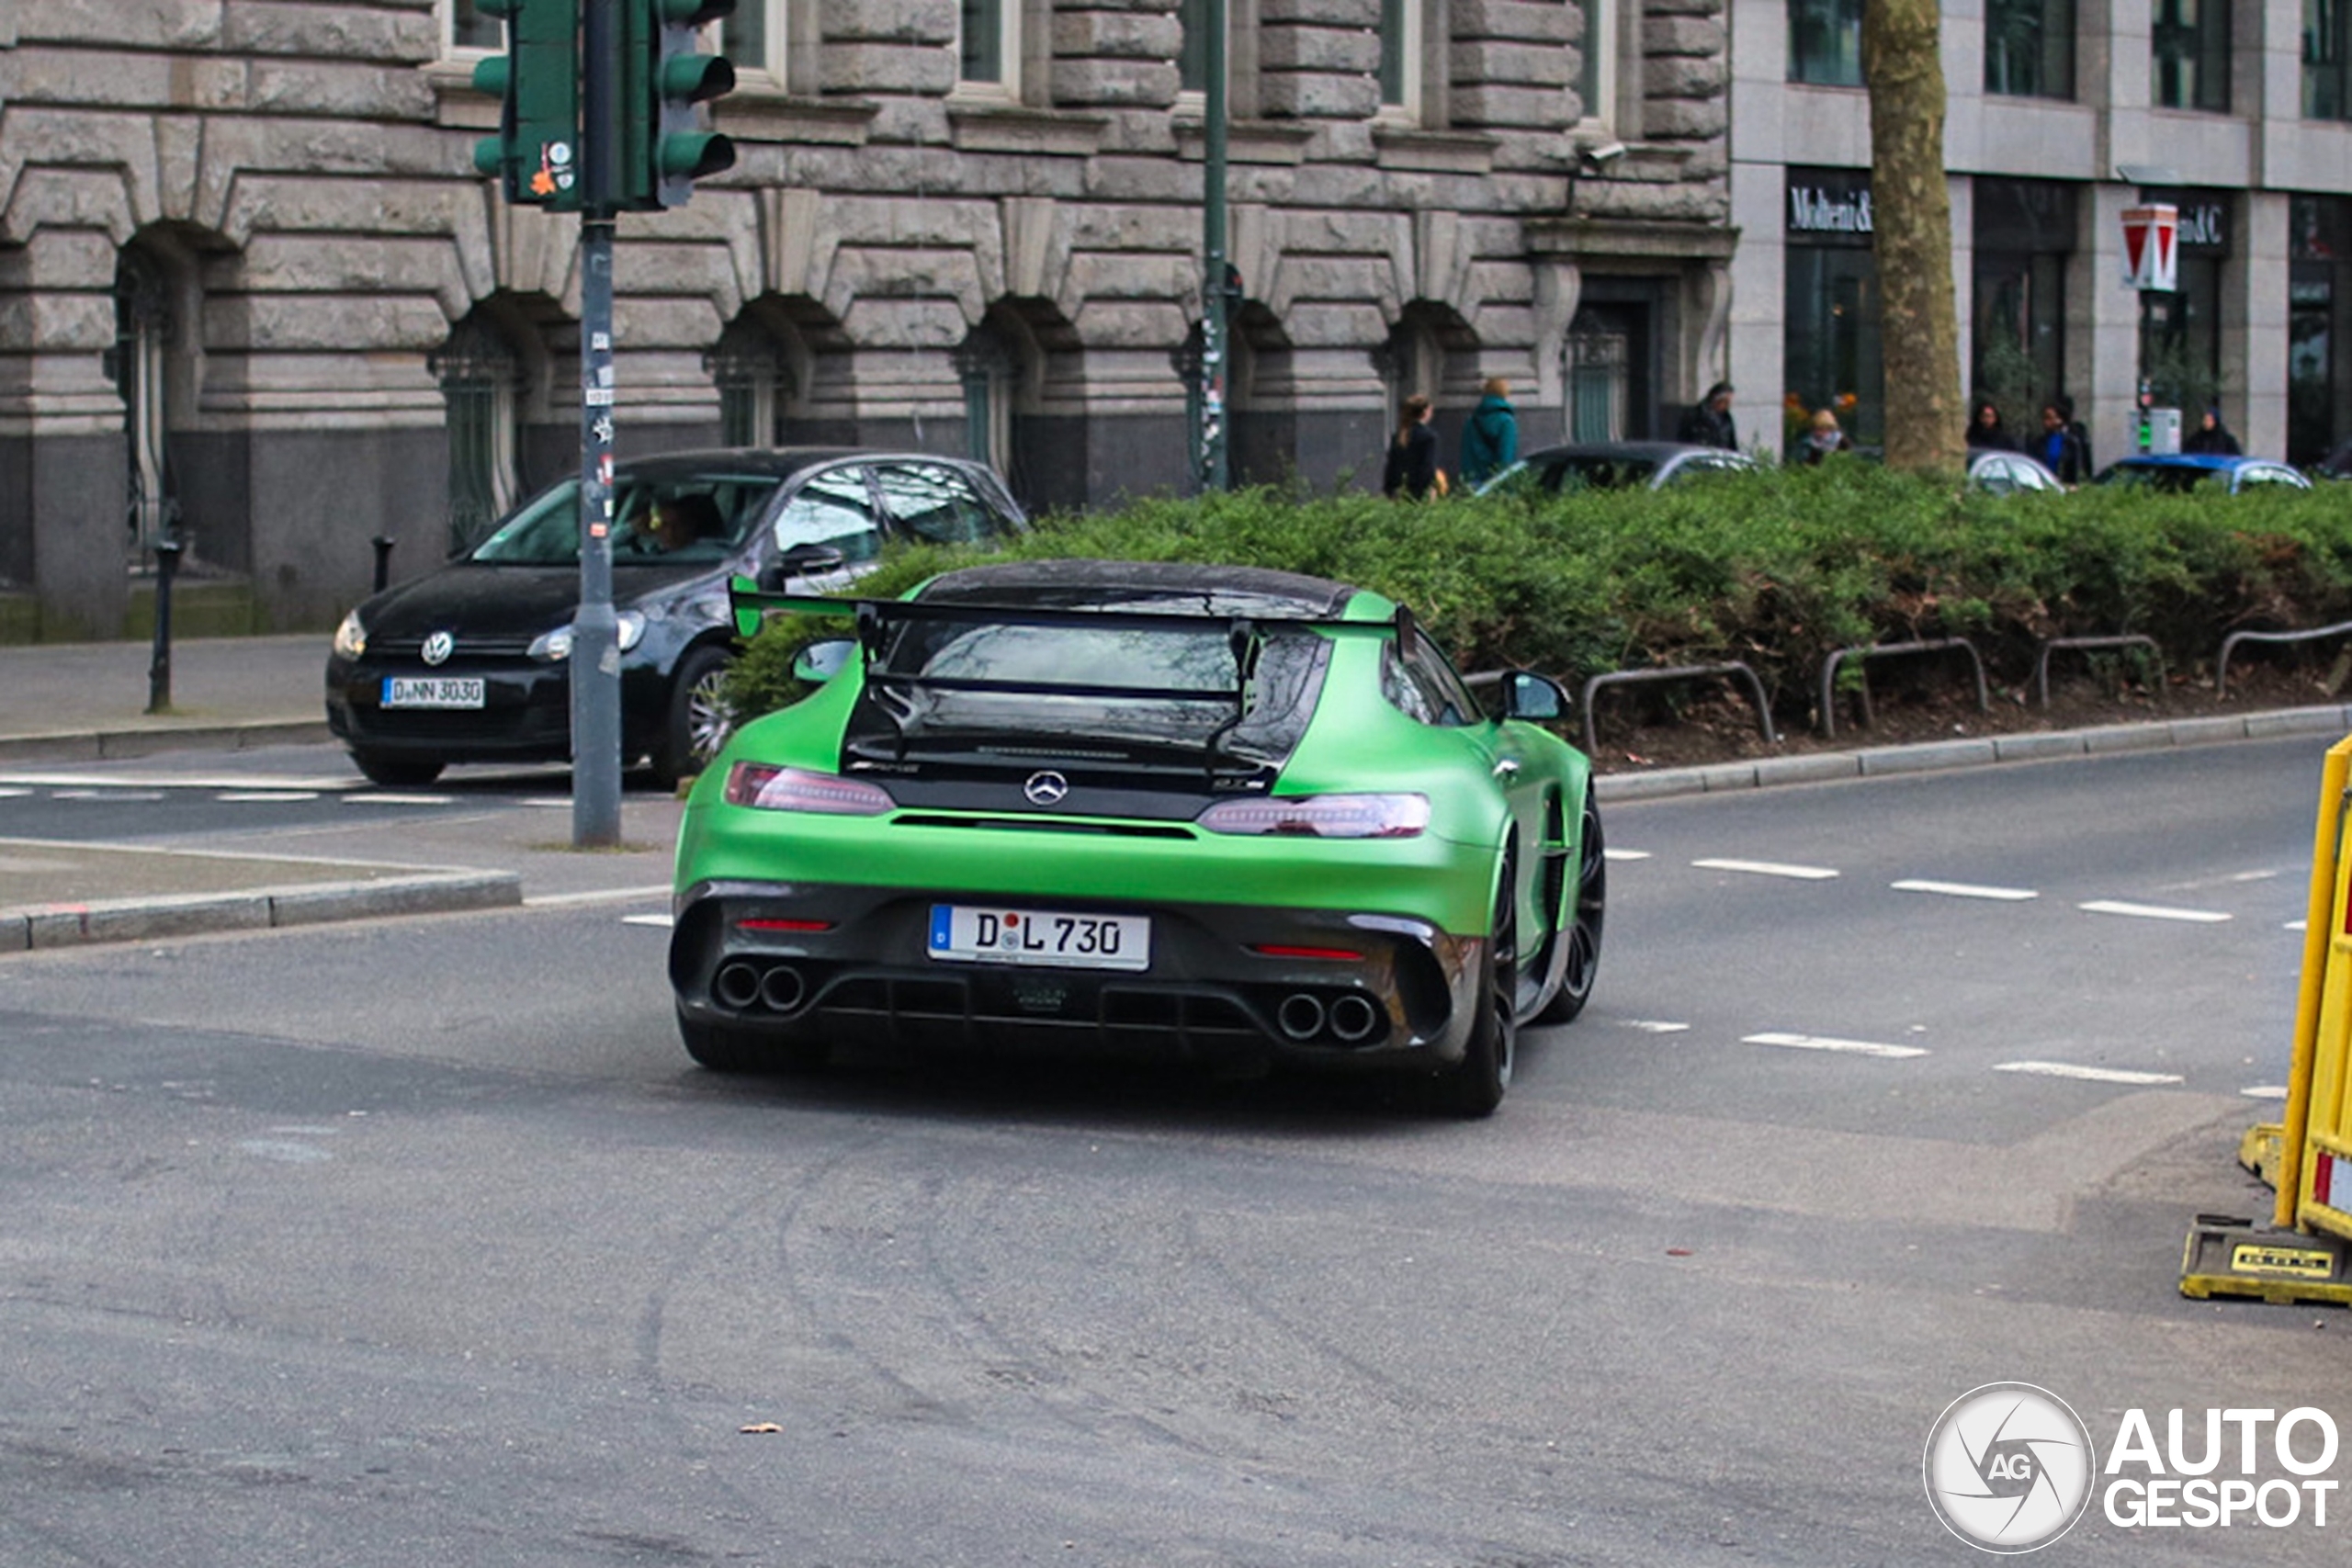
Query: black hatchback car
[{"x": 470, "y": 663}]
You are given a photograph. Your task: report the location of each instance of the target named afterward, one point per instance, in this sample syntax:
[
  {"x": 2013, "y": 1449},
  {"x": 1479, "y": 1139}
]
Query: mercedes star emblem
[
  {"x": 1046, "y": 789},
  {"x": 438, "y": 647}
]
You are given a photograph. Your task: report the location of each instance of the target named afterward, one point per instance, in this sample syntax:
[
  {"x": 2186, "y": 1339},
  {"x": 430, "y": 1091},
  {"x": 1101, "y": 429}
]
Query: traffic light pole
[{"x": 595, "y": 641}]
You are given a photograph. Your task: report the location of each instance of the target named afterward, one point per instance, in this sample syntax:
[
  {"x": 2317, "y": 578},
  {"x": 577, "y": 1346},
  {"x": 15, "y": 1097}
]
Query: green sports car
[{"x": 1214, "y": 814}]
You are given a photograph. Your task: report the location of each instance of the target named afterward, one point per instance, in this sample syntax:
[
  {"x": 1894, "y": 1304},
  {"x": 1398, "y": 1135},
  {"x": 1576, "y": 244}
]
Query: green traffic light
[{"x": 693, "y": 154}]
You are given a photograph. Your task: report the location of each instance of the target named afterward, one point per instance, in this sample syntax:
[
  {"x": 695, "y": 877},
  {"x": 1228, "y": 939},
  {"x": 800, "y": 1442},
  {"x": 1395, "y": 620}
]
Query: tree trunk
[{"x": 1911, "y": 233}]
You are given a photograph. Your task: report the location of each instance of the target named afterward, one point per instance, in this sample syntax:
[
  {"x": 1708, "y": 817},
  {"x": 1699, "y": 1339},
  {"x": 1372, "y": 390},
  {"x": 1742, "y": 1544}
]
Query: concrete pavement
[{"x": 65, "y": 704}]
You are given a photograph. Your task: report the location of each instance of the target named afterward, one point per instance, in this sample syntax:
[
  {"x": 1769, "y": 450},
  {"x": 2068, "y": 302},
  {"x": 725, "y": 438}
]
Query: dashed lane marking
[
  {"x": 1624, "y": 855},
  {"x": 1655, "y": 1025},
  {"x": 387, "y": 797},
  {"x": 2265, "y": 1091},
  {"x": 663, "y": 921},
  {"x": 1826, "y": 1042},
  {"x": 1966, "y": 890},
  {"x": 1768, "y": 868},
  {"x": 259, "y": 796},
  {"x": 2084, "y": 1075},
  {"x": 2152, "y": 911},
  {"x": 106, "y": 794}
]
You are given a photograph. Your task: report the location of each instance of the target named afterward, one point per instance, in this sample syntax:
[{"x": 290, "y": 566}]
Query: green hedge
[{"x": 1776, "y": 569}]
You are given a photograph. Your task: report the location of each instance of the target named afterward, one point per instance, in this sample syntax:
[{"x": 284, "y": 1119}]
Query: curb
[
  {"x": 110, "y": 745},
  {"x": 1937, "y": 756},
  {"x": 141, "y": 918}
]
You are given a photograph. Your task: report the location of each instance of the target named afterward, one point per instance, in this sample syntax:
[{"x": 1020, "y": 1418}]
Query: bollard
[
  {"x": 383, "y": 544},
  {"x": 159, "y": 668}
]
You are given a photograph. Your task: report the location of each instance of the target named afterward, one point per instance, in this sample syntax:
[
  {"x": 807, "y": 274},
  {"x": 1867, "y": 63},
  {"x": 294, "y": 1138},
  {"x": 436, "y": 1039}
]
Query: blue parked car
[{"x": 2186, "y": 470}]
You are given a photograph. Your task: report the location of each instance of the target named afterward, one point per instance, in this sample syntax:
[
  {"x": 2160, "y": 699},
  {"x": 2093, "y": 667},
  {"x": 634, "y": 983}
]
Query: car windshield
[
  {"x": 1167, "y": 694},
  {"x": 681, "y": 520}
]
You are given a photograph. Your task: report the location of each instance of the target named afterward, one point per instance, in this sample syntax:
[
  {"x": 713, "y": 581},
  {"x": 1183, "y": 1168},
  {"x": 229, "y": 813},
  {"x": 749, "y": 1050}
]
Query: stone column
[{"x": 2254, "y": 327}]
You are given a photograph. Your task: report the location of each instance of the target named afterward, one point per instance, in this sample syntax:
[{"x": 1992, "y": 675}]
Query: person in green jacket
[{"x": 1490, "y": 437}]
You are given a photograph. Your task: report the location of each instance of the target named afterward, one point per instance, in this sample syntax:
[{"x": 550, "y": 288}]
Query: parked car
[
  {"x": 1209, "y": 813},
  {"x": 2007, "y": 473},
  {"x": 1615, "y": 465},
  {"x": 2337, "y": 464},
  {"x": 470, "y": 662},
  {"x": 2186, "y": 470}
]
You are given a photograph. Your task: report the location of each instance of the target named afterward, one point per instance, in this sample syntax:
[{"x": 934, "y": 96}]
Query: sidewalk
[{"x": 86, "y": 702}]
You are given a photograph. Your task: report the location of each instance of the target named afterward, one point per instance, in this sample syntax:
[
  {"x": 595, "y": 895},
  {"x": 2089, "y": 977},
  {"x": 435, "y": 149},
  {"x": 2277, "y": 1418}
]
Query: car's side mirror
[
  {"x": 821, "y": 661},
  {"x": 800, "y": 560},
  {"x": 1536, "y": 698}
]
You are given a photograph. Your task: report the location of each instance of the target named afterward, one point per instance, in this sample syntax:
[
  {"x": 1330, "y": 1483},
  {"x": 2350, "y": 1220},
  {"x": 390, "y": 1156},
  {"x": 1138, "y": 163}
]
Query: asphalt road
[{"x": 423, "y": 1241}]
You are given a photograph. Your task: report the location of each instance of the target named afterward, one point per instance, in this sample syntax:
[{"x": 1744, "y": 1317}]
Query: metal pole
[
  {"x": 159, "y": 667},
  {"x": 1214, "y": 474},
  {"x": 595, "y": 644}
]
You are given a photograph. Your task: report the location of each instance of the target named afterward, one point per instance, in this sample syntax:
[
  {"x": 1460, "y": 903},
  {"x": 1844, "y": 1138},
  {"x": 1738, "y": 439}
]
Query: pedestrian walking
[
  {"x": 1825, "y": 439},
  {"x": 1490, "y": 438},
  {"x": 1985, "y": 431},
  {"x": 2062, "y": 451},
  {"x": 1411, "y": 470},
  {"x": 1708, "y": 423},
  {"x": 2212, "y": 436}
]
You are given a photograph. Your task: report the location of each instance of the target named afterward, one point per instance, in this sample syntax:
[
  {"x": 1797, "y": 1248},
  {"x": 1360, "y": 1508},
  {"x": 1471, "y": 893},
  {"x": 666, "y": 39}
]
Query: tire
[
  {"x": 697, "y": 724},
  {"x": 395, "y": 773},
  {"x": 1476, "y": 1086},
  {"x": 1583, "y": 935}
]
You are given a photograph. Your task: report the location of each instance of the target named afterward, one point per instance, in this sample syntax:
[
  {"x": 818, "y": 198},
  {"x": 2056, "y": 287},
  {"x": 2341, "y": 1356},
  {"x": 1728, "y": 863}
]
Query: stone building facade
[{"x": 250, "y": 289}]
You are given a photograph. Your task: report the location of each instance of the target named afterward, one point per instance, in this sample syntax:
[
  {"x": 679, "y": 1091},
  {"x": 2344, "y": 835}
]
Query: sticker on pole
[{"x": 2152, "y": 247}]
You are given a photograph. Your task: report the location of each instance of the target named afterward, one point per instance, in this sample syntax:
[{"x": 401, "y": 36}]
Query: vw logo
[
  {"x": 438, "y": 647},
  {"x": 1046, "y": 789}
]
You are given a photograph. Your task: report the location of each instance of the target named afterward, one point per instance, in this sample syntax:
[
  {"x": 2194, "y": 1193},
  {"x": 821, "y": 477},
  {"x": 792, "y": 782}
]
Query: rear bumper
[{"x": 1401, "y": 998}]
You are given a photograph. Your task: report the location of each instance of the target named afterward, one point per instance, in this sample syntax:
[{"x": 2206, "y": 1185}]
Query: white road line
[
  {"x": 2298, "y": 925},
  {"x": 663, "y": 922},
  {"x": 1768, "y": 868},
  {"x": 548, "y": 802},
  {"x": 106, "y": 794},
  {"x": 13, "y": 793},
  {"x": 1824, "y": 1043},
  {"x": 258, "y": 796},
  {"x": 1965, "y": 890},
  {"x": 1654, "y": 1025},
  {"x": 596, "y": 896},
  {"x": 47, "y": 779},
  {"x": 389, "y": 798},
  {"x": 2152, "y": 911},
  {"x": 2265, "y": 1091},
  {"x": 2086, "y": 1075},
  {"x": 1624, "y": 855}
]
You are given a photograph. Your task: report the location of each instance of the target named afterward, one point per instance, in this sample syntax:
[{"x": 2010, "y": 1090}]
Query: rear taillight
[
  {"x": 794, "y": 789},
  {"x": 1322, "y": 815}
]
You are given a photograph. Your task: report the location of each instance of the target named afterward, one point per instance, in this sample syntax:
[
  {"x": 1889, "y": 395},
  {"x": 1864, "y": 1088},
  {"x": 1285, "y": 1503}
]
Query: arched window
[
  {"x": 140, "y": 364},
  {"x": 480, "y": 377},
  {"x": 753, "y": 373}
]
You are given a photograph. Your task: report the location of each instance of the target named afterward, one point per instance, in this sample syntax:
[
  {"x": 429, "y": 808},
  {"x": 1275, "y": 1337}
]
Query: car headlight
[
  {"x": 772, "y": 788},
  {"x": 351, "y": 637},
  {"x": 557, "y": 645},
  {"x": 1322, "y": 815}
]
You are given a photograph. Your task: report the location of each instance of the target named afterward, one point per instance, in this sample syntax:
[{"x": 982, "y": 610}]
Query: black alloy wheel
[{"x": 698, "y": 722}]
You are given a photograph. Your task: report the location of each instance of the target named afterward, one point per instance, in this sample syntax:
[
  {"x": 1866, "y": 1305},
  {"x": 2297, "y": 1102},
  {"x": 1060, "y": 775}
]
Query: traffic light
[
  {"x": 663, "y": 147},
  {"x": 536, "y": 154}
]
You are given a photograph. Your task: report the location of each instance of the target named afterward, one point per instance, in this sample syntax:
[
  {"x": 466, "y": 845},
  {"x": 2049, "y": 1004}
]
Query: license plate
[
  {"x": 972, "y": 934},
  {"x": 432, "y": 692}
]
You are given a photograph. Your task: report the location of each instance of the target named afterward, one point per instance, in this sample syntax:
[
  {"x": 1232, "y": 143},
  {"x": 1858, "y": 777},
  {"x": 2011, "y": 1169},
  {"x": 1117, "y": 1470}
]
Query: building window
[
  {"x": 1193, "y": 55},
  {"x": 1596, "y": 70},
  {"x": 748, "y": 41},
  {"x": 988, "y": 42},
  {"x": 465, "y": 25},
  {"x": 1826, "y": 42},
  {"x": 2192, "y": 48},
  {"x": 480, "y": 376},
  {"x": 1400, "y": 58},
  {"x": 2319, "y": 294},
  {"x": 2024, "y": 237},
  {"x": 2030, "y": 47},
  {"x": 2327, "y": 59}
]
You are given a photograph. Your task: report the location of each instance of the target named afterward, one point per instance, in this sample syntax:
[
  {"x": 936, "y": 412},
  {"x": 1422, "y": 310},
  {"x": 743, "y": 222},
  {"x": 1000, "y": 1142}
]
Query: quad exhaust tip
[
  {"x": 1354, "y": 1018},
  {"x": 742, "y": 986},
  {"x": 1300, "y": 1016}
]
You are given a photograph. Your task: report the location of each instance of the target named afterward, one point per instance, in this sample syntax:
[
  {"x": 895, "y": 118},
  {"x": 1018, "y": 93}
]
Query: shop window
[
  {"x": 2024, "y": 237},
  {"x": 2191, "y": 49},
  {"x": 2327, "y": 59},
  {"x": 1401, "y": 45},
  {"x": 2030, "y": 47},
  {"x": 2319, "y": 293},
  {"x": 1826, "y": 42}
]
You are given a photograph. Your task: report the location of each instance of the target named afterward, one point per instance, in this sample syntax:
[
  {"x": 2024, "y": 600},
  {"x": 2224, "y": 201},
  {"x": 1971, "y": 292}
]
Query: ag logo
[
  {"x": 438, "y": 647},
  {"x": 2009, "y": 1467}
]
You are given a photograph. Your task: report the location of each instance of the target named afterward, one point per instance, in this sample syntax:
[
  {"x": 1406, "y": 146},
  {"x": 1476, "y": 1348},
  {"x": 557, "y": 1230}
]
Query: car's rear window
[{"x": 1598, "y": 473}]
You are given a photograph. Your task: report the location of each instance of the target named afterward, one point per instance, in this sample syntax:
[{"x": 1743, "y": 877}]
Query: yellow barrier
[{"x": 2317, "y": 1142}]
